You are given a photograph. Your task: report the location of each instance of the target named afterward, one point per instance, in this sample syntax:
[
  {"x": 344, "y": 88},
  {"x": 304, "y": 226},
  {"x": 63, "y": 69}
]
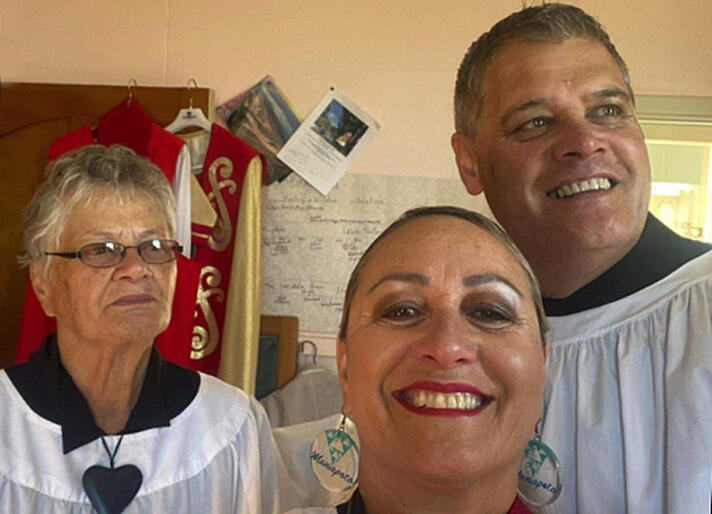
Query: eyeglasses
[{"x": 111, "y": 253}]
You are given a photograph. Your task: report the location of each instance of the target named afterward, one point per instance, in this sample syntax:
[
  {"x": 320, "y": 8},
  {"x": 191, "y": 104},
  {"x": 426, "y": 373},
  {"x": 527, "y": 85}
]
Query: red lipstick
[{"x": 405, "y": 397}]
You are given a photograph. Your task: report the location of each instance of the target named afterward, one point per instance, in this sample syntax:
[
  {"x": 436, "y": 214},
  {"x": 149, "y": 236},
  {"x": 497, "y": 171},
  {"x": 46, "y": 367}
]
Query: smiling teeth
[
  {"x": 432, "y": 400},
  {"x": 593, "y": 184}
]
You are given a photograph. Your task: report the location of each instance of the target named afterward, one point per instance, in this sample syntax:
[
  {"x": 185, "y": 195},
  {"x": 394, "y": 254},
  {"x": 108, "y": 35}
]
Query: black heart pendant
[{"x": 111, "y": 490}]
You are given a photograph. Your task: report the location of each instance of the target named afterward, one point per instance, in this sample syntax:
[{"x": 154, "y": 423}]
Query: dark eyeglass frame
[{"x": 119, "y": 250}]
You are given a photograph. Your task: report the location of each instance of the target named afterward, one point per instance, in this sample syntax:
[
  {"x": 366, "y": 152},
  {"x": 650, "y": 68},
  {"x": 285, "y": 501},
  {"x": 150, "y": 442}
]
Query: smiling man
[{"x": 546, "y": 128}]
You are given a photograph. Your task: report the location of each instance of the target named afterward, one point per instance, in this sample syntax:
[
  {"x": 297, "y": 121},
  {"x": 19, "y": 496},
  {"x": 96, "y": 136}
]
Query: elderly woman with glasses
[{"x": 96, "y": 417}]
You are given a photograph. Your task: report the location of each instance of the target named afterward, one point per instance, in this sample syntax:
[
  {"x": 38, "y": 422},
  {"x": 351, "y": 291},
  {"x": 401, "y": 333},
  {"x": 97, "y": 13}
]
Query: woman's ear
[
  {"x": 342, "y": 366},
  {"x": 40, "y": 284},
  {"x": 466, "y": 163}
]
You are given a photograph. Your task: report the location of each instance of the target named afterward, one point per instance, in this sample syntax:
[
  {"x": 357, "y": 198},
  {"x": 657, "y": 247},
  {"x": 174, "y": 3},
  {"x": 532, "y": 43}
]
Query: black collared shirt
[
  {"x": 49, "y": 390},
  {"x": 658, "y": 252}
]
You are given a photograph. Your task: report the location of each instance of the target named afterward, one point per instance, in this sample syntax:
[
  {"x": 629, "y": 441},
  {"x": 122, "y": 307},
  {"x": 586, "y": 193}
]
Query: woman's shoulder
[{"x": 214, "y": 393}]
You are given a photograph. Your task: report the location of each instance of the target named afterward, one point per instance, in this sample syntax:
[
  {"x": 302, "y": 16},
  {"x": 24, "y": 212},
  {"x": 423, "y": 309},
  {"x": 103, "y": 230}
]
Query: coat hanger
[
  {"x": 304, "y": 343},
  {"x": 190, "y": 117},
  {"x": 132, "y": 84},
  {"x": 311, "y": 366}
]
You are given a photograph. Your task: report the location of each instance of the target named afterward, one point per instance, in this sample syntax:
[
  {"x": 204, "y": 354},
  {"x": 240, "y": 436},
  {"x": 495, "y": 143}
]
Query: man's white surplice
[
  {"x": 628, "y": 400},
  {"x": 217, "y": 456}
]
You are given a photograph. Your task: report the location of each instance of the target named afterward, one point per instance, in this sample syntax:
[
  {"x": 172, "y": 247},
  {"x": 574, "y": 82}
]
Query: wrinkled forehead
[
  {"x": 106, "y": 210},
  {"x": 521, "y": 70}
]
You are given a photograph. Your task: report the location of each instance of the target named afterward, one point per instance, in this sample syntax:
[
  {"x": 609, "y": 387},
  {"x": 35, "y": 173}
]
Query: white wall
[{"x": 397, "y": 59}]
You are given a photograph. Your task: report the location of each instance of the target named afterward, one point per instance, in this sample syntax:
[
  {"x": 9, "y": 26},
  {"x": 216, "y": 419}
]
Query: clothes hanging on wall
[
  {"x": 228, "y": 295},
  {"x": 128, "y": 124}
]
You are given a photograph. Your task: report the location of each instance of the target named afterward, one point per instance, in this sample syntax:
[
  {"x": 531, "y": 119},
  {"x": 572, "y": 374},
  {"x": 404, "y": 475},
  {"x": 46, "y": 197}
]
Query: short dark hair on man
[{"x": 547, "y": 23}]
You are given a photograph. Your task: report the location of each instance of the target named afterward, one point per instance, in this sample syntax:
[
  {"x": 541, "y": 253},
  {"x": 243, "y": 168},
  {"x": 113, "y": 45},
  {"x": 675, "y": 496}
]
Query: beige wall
[{"x": 397, "y": 59}]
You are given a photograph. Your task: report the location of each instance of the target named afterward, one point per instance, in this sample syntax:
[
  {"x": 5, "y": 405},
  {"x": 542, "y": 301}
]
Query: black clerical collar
[
  {"x": 50, "y": 392},
  {"x": 658, "y": 252}
]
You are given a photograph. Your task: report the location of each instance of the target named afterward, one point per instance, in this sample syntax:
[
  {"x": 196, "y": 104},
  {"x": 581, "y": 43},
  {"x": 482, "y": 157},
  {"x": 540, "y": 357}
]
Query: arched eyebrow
[
  {"x": 488, "y": 278},
  {"x": 469, "y": 281},
  {"x": 415, "y": 278}
]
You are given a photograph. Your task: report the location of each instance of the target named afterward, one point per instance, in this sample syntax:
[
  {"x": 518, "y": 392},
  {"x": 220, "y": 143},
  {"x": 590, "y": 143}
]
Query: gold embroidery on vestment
[
  {"x": 222, "y": 234},
  {"x": 205, "y": 341}
]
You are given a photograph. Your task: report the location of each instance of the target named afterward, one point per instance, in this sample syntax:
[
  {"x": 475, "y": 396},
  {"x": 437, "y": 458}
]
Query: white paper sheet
[{"x": 328, "y": 141}]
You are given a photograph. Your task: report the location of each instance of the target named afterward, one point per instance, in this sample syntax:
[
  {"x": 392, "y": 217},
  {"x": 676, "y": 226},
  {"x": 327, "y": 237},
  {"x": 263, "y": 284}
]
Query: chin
[
  {"x": 444, "y": 472},
  {"x": 144, "y": 328},
  {"x": 454, "y": 461}
]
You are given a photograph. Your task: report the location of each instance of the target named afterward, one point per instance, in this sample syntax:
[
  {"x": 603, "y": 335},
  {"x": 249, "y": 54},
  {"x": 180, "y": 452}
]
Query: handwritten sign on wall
[{"x": 310, "y": 243}]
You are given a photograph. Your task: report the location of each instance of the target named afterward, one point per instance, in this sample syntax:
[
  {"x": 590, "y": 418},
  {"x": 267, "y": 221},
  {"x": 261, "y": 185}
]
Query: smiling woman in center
[{"x": 441, "y": 360}]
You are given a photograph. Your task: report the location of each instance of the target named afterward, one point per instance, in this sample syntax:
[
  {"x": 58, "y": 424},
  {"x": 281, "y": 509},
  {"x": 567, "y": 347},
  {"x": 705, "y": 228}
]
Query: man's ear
[
  {"x": 466, "y": 163},
  {"x": 342, "y": 365},
  {"x": 41, "y": 287}
]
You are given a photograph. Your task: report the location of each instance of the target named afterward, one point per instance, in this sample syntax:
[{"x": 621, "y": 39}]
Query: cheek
[
  {"x": 167, "y": 283},
  {"x": 364, "y": 373},
  {"x": 632, "y": 150},
  {"x": 373, "y": 359},
  {"x": 76, "y": 292},
  {"x": 520, "y": 369},
  {"x": 510, "y": 180}
]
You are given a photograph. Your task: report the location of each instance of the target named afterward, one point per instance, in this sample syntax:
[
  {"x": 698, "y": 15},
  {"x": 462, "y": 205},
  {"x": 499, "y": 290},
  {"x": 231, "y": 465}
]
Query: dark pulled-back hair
[{"x": 475, "y": 218}]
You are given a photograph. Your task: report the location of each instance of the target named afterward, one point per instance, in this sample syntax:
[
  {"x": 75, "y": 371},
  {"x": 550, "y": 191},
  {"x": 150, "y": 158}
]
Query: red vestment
[{"x": 224, "y": 169}]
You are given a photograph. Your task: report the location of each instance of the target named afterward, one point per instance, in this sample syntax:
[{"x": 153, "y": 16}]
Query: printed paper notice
[{"x": 328, "y": 141}]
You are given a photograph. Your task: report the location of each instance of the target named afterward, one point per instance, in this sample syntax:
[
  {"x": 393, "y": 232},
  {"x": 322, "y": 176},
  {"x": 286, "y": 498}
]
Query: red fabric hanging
[{"x": 224, "y": 169}]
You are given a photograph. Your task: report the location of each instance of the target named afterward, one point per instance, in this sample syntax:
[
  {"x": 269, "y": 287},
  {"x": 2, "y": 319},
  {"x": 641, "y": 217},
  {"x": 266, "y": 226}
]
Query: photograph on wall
[
  {"x": 339, "y": 127},
  {"x": 325, "y": 145},
  {"x": 264, "y": 118}
]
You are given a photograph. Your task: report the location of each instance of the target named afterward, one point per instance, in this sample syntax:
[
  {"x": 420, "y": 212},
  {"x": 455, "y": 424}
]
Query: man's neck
[
  {"x": 657, "y": 253},
  {"x": 569, "y": 270}
]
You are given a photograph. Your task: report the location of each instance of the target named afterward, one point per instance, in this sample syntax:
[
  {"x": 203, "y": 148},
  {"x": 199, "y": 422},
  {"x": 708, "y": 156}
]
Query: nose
[
  {"x": 447, "y": 343},
  {"x": 578, "y": 139},
  {"x": 132, "y": 267}
]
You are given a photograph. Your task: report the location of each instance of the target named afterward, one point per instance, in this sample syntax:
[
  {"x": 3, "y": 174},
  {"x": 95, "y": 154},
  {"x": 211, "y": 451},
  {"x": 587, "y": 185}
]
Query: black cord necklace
[
  {"x": 111, "y": 489},
  {"x": 112, "y": 456}
]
